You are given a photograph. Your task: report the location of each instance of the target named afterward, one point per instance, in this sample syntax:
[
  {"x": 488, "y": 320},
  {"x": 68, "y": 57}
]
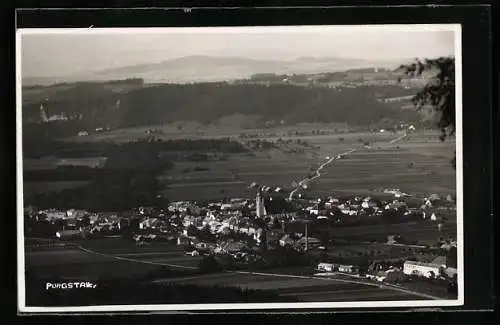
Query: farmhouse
[{"x": 428, "y": 270}]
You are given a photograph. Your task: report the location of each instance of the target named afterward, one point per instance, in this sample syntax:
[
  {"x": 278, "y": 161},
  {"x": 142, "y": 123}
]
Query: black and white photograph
[{"x": 239, "y": 168}]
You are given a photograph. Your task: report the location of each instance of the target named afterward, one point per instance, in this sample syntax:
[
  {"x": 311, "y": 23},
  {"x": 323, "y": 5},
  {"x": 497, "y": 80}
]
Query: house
[
  {"x": 450, "y": 272},
  {"x": 286, "y": 240},
  {"x": 147, "y": 223},
  {"x": 224, "y": 230},
  {"x": 434, "y": 197},
  {"x": 226, "y": 206},
  {"x": 233, "y": 246},
  {"x": 311, "y": 242},
  {"x": 53, "y": 214},
  {"x": 433, "y": 216},
  {"x": 368, "y": 204},
  {"x": 392, "y": 239},
  {"x": 314, "y": 211},
  {"x": 349, "y": 212},
  {"x": 428, "y": 270},
  {"x": 333, "y": 200},
  {"x": 348, "y": 268},
  {"x": 72, "y": 213},
  {"x": 325, "y": 267},
  {"x": 395, "y": 205}
]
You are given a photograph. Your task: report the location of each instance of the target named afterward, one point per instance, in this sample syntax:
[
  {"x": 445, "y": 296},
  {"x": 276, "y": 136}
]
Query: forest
[{"x": 92, "y": 105}]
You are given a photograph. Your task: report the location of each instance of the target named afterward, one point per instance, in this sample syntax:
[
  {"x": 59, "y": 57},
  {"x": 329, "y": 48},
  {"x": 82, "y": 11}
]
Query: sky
[{"x": 62, "y": 53}]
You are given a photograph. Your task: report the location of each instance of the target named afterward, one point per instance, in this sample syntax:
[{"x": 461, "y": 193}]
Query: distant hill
[{"x": 210, "y": 68}]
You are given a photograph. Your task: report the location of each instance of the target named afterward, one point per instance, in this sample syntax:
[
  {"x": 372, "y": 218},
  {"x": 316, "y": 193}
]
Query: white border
[
  {"x": 245, "y": 29},
  {"x": 456, "y": 28}
]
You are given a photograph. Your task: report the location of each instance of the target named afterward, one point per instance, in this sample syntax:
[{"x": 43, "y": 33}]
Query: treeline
[
  {"x": 207, "y": 102},
  {"x": 224, "y": 145},
  {"x": 66, "y": 173},
  {"x": 34, "y": 148},
  {"x": 127, "y": 81}
]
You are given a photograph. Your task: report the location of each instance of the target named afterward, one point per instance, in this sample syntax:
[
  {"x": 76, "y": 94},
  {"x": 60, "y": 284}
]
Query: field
[
  {"x": 425, "y": 232},
  {"x": 306, "y": 289},
  {"x": 419, "y": 165},
  {"x": 135, "y": 263},
  {"x": 51, "y": 163},
  {"x": 107, "y": 259}
]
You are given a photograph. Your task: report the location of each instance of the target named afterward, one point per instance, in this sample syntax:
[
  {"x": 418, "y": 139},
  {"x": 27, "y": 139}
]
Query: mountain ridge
[{"x": 219, "y": 68}]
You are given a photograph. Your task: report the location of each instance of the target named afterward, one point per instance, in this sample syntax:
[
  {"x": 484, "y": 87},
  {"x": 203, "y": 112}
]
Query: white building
[
  {"x": 347, "y": 268},
  {"x": 428, "y": 270},
  {"x": 368, "y": 204},
  {"x": 325, "y": 267}
]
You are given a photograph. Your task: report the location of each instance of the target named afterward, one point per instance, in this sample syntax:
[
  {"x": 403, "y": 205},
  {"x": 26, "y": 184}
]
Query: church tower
[
  {"x": 43, "y": 114},
  {"x": 259, "y": 205}
]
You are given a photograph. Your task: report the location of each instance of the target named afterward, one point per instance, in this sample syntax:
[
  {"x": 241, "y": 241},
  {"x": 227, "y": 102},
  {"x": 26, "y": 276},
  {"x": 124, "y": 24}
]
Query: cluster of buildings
[
  {"x": 367, "y": 78},
  {"x": 240, "y": 216},
  {"x": 238, "y": 227},
  {"x": 438, "y": 269}
]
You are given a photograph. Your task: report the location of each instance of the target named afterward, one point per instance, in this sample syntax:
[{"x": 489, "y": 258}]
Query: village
[{"x": 247, "y": 233}]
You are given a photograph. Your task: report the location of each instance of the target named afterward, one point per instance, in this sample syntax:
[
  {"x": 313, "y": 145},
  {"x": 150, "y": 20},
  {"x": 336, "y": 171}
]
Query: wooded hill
[{"x": 134, "y": 104}]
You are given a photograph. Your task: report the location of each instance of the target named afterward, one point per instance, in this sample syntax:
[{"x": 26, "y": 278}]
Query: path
[
  {"x": 329, "y": 161},
  {"x": 365, "y": 283}
]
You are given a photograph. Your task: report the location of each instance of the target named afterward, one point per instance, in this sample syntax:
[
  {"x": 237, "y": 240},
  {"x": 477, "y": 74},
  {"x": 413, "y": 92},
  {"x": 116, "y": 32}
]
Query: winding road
[{"x": 329, "y": 161}]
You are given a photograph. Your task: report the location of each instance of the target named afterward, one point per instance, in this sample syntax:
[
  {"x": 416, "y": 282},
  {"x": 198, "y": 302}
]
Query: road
[
  {"x": 334, "y": 157},
  {"x": 88, "y": 264}
]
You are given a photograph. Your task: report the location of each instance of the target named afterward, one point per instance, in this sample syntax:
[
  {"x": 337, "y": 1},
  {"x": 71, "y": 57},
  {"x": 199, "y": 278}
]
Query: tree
[{"x": 439, "y": 92}]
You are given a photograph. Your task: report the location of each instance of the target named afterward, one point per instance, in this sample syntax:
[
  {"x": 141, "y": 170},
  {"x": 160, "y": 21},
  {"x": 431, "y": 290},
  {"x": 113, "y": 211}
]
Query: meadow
[{"x": 419, "y": 165}]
